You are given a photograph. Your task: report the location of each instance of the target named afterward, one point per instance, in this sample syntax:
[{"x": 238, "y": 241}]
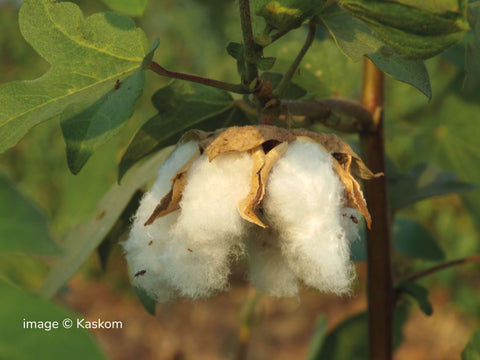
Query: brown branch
[
  {"x": 379, "y": 277},
  {"x": 251, "y": 48},
  {"x": 434, "y": 269},
  {"x": 236, "y": 88},
  {"x": 338, "y": 114}
]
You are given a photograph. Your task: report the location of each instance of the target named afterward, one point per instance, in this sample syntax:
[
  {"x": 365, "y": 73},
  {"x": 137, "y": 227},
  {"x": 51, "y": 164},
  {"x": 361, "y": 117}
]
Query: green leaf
[
  {"x": 148, "y": 302},
  {"x": 423, "y": 181},
  {"x": 472, "y": 349},
  {"x": 87, "y": 57},
  {"x": 416, "y": 292},
  {"x": 181, "y": 106},
  {"x": 128, "y": 7},
  {"x": 472, "y": 56},
  {"x": 349, "y": 340},
  {"x": 413, "y": 239},
  {"x": 355, "y": 40},
  {"x": 318, "y": 338},
  {"x": 23, "y": 227},
  {"x": 414, "y": 29},
  {"x": 17, "y": 342},
  {"x": 82, "y": 241},
  {"x": 94, "y": 126},
  {"x": 449, "y": 136},
  {"x": 285, "y": 15},
  {"x": 237, "y": 51},
  {"x": 266, "y": 63},
  {"x": 409, "y": 237}
]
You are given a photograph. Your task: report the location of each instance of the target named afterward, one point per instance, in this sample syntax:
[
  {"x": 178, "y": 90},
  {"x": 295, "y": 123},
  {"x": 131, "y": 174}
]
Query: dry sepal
[
  {"x": 267, "y": 144},
  {"x": 287, "y": 200}
]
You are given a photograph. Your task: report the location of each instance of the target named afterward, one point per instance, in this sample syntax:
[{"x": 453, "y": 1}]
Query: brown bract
[{"x": 267, "y": 144}]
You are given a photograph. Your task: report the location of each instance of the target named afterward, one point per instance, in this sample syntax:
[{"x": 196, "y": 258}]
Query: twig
[
  {"x": 282, "y": 87},
  {"x": 379, "y": 277},
  {"x": 445, "y": 265},
  {"x": 242, "y": 105},
  {"x": 236, "y": 88},
  {"x": 248, "y": 41},
  {"x": 338, "y": 114},
  {"x": 278, "y": 35}
]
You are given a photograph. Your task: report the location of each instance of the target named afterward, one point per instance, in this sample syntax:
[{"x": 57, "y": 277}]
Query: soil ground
[{"x": 208, "y": 329}]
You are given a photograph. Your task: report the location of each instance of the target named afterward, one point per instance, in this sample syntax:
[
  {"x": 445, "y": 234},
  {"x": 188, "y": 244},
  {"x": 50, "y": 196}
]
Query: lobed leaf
[
  {"x": 355, "y": 40},
  {"x": 415, "y": 30},
  {"x": 87, "y": 57},
  {"x": 81, "y": 242}
]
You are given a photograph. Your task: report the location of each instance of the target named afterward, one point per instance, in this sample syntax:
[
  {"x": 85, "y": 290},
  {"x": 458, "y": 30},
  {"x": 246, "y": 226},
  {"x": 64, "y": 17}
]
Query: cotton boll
[
  {"x": 268, "y": 269},
  {"x": 172, "y": 165},
  {"x": 209, "y": 229},
  {"x": 146, "y": 243},
  {"x": 303, "y": 202}
]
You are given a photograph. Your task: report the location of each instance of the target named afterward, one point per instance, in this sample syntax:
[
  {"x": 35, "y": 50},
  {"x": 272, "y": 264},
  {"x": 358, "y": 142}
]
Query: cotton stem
[
  {"x": 380, "y": 283},
  {"x": 251, "y": 48}
]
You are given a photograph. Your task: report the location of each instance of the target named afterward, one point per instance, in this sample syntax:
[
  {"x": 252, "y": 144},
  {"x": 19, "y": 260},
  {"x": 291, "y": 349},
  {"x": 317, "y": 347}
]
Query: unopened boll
[{"x": 188, "y": 252}]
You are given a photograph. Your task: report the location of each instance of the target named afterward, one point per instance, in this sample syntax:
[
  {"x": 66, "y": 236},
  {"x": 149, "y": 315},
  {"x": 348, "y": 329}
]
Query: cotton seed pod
[
  {"x": 285, "y": 15},
  {"x": 287, "y": 200}
]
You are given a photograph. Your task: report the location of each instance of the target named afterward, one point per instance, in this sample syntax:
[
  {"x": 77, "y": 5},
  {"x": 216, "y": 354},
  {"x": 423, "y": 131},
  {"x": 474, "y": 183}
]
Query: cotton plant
[{"x": 286, "y": 200}]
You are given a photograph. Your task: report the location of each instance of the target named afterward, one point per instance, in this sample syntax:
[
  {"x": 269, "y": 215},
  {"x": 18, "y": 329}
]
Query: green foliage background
[{"x": 193, "y": 38}]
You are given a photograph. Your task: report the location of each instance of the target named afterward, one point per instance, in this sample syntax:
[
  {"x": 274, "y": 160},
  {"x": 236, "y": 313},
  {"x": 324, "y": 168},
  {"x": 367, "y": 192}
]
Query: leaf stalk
[
  {"x": 235, "y": 88},
  {"x": 283, "y": 86}
]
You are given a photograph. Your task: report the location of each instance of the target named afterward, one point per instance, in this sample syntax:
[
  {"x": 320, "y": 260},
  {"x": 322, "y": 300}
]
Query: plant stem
[
  {"x": 236, "y": 88},
  {"x": 443, "y": 266},
  {"x": 251, "y": 48},
  {"x": 338, "y": 114},
  {"x": 282, "y": 87},
  {"x": 380, "y": 283},
  {"x": 248, "y": 319}
]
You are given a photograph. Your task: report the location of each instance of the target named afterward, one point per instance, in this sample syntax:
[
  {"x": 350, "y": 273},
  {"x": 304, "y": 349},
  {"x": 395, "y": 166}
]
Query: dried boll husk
[
  {"x": 287, "y": 200},
  {"x": 267, "y": 144}
]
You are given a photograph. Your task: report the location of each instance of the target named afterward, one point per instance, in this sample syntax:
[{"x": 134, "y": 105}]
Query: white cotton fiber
[
  {"x": 209, "y": 229},
  {"x": 269, "y": 272},
  {"x": 145, "y": 243},
  {"x": 303, "y": 203},
  {"x": 188, "y": 252}
]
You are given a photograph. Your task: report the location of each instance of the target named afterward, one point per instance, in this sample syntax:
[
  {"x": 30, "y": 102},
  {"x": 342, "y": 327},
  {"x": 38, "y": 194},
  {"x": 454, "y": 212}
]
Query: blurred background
[{"x": 193, "y": 36}]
